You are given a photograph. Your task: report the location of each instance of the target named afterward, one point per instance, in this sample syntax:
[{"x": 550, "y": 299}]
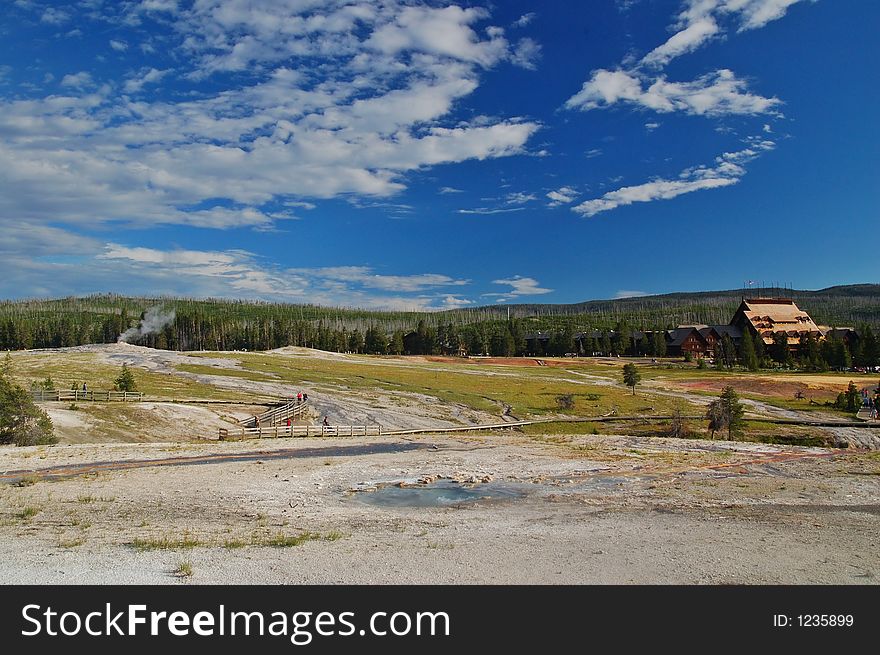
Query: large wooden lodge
[{"x": 764, "y": 318}]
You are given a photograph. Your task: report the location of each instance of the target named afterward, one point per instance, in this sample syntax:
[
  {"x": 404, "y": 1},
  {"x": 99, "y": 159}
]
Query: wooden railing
[
  {"x": 278, "y": 431},
  {"x": 42, "y": 395},
  {"x": 291, "y": 410}
]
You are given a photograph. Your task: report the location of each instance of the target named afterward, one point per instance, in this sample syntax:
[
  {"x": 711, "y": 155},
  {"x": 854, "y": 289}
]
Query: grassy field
[
  {"x": 521, "y": 387},
  {"x": 530, "y": 392},
  {"x": 68, "y": 369}
]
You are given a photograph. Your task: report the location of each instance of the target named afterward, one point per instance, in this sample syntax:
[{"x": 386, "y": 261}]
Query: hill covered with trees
[{"x": 211, "y": 324}]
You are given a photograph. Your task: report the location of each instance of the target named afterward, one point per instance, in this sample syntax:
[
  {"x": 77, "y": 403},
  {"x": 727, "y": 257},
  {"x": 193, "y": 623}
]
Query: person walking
[{"x": 326, "y": 422}]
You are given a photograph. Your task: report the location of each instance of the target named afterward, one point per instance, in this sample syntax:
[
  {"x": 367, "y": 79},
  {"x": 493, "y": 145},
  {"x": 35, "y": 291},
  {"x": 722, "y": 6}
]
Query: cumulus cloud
[
  {"x": 715, "y": 94},
  {"x": 562, "y": 196},
  {"x": 228, "y": 152},
  {"x": 144, "y": 77},
  {"x": 727, "y": 170},
  {"x": 519, "y": 286},
  {"x": 698, "y": 23},
  {"x": 234, "y": 273},
  {"x": 80, "y": 80},
  {"x": 525, "y": 19},
  {"x": 526, "y": 54}
]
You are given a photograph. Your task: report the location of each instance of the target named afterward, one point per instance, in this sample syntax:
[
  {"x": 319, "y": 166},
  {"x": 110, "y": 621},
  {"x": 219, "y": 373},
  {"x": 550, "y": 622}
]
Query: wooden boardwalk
[
  {"x": 281, "y": 431},
  {"x": 73, "y": 395}
]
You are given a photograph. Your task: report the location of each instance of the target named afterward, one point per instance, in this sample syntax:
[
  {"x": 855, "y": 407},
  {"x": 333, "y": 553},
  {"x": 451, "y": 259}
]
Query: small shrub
[
  {"x": 565, "y": 401},
  {"x": 184, "y": 570},
  {"x": 164, "y": 543}
]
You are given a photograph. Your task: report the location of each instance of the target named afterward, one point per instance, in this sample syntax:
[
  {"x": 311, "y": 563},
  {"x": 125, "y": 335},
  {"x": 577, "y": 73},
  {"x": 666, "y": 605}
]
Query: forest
[{"x": 216, "y": 324}]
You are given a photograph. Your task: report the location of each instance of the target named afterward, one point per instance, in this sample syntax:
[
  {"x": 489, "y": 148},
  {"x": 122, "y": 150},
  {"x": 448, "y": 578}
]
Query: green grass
[
  {"x": 86, "y": 367},
  {"x": 530, "y": 391},
  {"x": 184, "y": 570},
  {"x": 282, "y": 540},
  {"x": 71, "y": 543},
  {"x": 186, "y": 542}
]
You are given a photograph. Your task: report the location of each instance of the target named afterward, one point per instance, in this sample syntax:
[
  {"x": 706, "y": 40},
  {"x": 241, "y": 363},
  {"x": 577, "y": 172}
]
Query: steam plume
[{"x": 154, "y": 320}]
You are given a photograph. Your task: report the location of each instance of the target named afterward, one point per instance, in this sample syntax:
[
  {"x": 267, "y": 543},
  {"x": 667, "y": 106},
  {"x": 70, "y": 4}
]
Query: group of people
[{"x": 872, "y": 403}]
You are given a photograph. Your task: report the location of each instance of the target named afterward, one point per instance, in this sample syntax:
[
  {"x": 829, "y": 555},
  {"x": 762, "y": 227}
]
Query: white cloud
[
  {"x": 366, "y": 277},
  {"x": 716, "y": 94},
  {"x": 593, "y": 152},
  {"x": 727, "y": 170},
  {"x": 687, "y": 40},
  {"x": 525, "y": 19},
  {"x": 237, "y": 273},
  {"x": 562, "y": 196},
  {"x": 651, "y": 126},
  {"x": 440, "y": 31},
  {"x": 519, "y": 286},
  {"x": 80, "y": 80},
  {"x": 389, "y": 82},
  {"x": 118, "y": 46},
  {"x": 54, "y": 16},
  {"x": 490, "y": 210},
  {"x": 526, "y": 54},
  {"x": 144, "y": 77},
  {"x": 449, "y": 189},
  {"x": 625, "y": 293},
  {"x": 698, "y": 23},
  {"x": 518, "y": 198}
]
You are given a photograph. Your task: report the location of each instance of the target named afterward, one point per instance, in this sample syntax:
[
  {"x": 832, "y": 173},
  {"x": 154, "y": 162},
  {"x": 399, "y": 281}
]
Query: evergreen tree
[
  {"x": 375, "y": 341},
  {"x": 718, "y": 356},
  {"x": 726, "y": 413},
  {"x": 748, "y": 356},
  {"x": 396, "y": 346},
  {"x": 659, "y": 343},
  {"x": 870, "y": 347},
  {"x": 728, "y": 351},
  {"x": 125, "y": 381},
  {"x": 780, "y": 351},
  {"x": 422, "y": 347},
  {"x": 631, "y": 376},
  {"x": 356, "y": 341},
  {"x": 22, "y": 422}
]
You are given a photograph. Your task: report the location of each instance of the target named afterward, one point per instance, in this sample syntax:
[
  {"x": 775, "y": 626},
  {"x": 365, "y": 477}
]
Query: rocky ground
[{"x": 581, "y": 509}]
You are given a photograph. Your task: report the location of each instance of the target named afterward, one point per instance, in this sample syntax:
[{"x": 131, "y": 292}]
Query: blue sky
[{"x": 429, "y": 155}]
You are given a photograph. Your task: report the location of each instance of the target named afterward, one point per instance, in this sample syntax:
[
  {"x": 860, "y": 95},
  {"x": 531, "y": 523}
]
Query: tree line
[{"x": 239, "y": 325}]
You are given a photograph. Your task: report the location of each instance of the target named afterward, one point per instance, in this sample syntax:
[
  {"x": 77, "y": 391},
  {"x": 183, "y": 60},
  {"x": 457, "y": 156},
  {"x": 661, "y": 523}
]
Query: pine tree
[
  {"x": 780, "y": 351},
  {"x": 396, "y": 346},
  {"x": 126, "y": 381},
  {"x": 22, "y": 422},
  {"x": 747, "y": 351},
  {"x": 726, "y": 413},
  {"x": 631, "y": 376}
]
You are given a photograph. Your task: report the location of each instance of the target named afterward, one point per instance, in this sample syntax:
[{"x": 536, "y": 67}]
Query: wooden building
[{"x": 766, "y": 317}]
